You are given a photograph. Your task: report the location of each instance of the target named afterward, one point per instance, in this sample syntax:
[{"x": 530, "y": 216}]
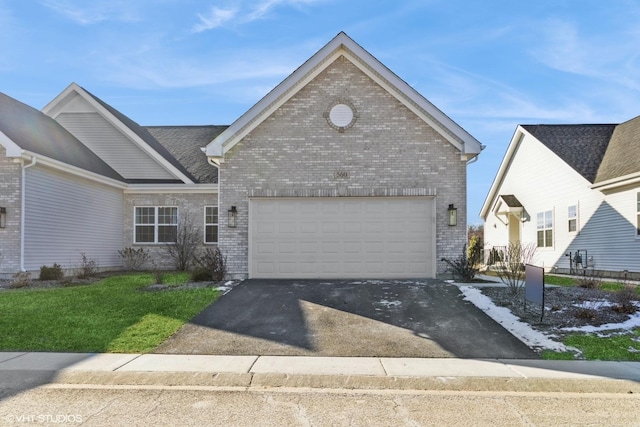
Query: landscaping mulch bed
[{"x": 565, "y": 307}]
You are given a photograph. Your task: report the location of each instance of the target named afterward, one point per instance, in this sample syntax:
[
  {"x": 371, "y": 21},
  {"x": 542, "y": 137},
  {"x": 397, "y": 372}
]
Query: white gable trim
[
  {"x": 56, "y": 106},
  {"x": 72, "y": 170},
  {"x": 516, "y": 139},
  {"x": 615, "y": 183},
  {"x": 342, "y": 45},
  {"x": 13, "y": 149}
]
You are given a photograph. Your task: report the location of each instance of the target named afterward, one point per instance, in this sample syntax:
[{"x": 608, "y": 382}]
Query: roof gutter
[{"x": 22, "y": 208}]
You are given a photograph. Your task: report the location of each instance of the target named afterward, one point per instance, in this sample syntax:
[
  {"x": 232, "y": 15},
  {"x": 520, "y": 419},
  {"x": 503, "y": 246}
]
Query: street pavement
[{"x": 153, "y": 389}]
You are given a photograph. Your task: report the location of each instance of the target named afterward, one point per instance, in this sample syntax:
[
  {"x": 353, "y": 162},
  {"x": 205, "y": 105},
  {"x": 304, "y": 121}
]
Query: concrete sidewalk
[{"x": 319, "y": 366}]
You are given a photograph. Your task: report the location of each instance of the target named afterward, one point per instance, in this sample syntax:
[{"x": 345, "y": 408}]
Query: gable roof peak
[{"x": 343, "y": 45}]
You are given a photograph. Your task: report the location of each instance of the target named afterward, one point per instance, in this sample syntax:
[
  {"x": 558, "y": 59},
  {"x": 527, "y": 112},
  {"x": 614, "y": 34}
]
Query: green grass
[
  {"x": 112, "y": 315},
  {"x": 558, "y": 280},
  {"x": 593, "y": 347}
]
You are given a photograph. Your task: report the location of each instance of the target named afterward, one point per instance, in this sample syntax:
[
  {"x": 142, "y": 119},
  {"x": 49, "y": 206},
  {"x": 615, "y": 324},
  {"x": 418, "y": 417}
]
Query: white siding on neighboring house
[
  {"x": 67, "y": 215},
  {"x": 112, "y": 146},
  {"x": 542, "y": 182},
  {"x": 609, "y": 236}
]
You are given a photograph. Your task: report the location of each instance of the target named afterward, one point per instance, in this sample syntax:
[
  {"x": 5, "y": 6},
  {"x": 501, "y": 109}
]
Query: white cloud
[
  {"x": 604, "y": 56},
  {"x": 244, "y": 13},
  {"x": 88, "y": 13},
  {"x": 215, "y": 18}
]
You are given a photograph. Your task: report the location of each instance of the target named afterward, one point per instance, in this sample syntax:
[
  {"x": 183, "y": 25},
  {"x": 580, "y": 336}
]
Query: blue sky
[{"x": 489, "y": 65}]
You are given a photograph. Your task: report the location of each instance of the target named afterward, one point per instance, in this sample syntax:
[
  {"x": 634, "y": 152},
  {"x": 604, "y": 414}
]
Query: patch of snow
[
  {"x": 389, "y": 304},
  {"x": 503, "y": 316},
  {"x": 594, "y": 304},
  {"x": 632, "y": 322}
]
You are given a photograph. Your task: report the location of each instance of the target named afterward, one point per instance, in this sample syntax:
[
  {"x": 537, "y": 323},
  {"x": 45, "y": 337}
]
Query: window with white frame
[
  {"x": 156, "y": 224},
  {"x": 211, "y": 224},
  {"x": 545, "y": 229},
  {"x": 572, "y": 216}
]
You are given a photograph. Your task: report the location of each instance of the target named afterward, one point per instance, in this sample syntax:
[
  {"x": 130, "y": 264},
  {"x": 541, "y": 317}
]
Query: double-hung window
[
  {"x": 572, "y": 216},
  {"x": 545, "y": 229},
  {"x": 211, "y": 224},
  {"x": 156, "y": 224}
]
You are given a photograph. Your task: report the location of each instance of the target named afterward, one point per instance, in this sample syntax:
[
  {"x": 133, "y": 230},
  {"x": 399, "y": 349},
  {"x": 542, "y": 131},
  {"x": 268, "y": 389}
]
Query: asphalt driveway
[{"x": 427, "y": 318}]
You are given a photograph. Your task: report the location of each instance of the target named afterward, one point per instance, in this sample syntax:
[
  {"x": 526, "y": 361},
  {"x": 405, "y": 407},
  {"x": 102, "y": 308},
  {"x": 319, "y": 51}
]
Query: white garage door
[{"x": 363, "y": 237}]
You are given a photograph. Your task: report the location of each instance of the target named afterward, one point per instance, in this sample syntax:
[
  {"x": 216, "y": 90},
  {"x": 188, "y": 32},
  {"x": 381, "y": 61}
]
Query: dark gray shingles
[
  {"x": 511, "y": 201},
  {"x": 34, "y": 131},
  {"x": 143, "y": 134},
  {"x": 185, "y": 143},
  {"x": 580, "y": 146},
  {"x": 623, "y": 155}
]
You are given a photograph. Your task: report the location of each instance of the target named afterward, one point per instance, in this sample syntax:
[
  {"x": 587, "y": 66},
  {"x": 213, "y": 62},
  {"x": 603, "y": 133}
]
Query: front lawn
[{"x": 112, "y": 315}]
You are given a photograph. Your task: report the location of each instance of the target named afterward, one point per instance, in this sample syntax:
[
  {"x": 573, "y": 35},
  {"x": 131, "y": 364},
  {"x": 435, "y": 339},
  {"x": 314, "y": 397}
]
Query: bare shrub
[
  {"x": 510, "y": 269},
  {"x": 589, "y": 309},
  {"x": 133, "y": 258},
  {"x": 183, "y": 250},
  {"x": 88, "y": 266},
  {"x": 625, "y": 299},
  {"x": 213, "y": 262},
  {"x": 464, "y": 266},
  {"x": 589, "y": 279},
  {"x": 158, "y": 276},
  {"x": 20, "y": 280},
  {"x": 51, "y": 273}
]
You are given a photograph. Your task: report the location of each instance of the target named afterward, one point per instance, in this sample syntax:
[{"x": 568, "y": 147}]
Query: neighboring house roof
[
  {"x": 185, "y": 144},
  {"x": 39, "y": 134},
  {"x": 623, "y": 154},
  {"x": 143, "y": 134},
  {"x": 343, "y": 45},
  {"x": 580, "y": 146}
]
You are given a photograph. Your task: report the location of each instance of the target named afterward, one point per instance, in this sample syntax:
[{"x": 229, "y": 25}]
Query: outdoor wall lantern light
[
  {"x": 233, "y": 215},
  {"x": 3, "y": 217},
  {"x": 453, "y": 215}
]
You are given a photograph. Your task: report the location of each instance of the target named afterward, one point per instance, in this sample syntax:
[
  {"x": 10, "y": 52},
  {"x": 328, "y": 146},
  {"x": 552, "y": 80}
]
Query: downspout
[{"x": 22, "y": 208}]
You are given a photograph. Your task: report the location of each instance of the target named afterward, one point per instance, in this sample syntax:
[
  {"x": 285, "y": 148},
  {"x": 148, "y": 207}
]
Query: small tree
[
  {"x": 183, "y": 250},
  {"x": 510, "y": 269}
]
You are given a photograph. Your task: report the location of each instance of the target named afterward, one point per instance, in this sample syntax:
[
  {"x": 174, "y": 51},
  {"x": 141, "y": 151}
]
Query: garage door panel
[{"x": 341, "y": 238}]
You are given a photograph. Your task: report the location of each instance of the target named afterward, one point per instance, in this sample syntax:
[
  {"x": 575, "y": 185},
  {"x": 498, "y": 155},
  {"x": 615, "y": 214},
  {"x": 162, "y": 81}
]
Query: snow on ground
[
  {"x": 503, "y": 316},
  {"x": 632, "y": 322}
]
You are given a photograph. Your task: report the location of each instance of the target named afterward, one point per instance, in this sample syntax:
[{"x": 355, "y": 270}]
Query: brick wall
[
  {"x": 10, "y": 198},
  {"x": 389, "y": 150},
  {"x": 189, "y": 206}
]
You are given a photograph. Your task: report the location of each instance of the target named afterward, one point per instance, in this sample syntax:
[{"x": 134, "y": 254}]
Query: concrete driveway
[{"x": 426, "y": 318}]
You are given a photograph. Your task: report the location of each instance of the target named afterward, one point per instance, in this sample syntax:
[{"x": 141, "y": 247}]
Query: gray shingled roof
[
  {"x": 623, "y": 155},
  {"x": 185, "y": 143},
  {"x": 511, "y": 201},
  {"x": 145, "y": 136},
  {"x": 580, "y": 146},
  {"x": 34, "y": 131}
]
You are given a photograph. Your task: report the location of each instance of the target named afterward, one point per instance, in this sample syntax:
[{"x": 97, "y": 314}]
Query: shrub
[
  {"x": 51, "y": 273},
  {"x": 20, "y": 280},
  {"x": 510, "y": 269},
  {"x": 589, "y": 279},
  {"x": 463, "y": 266},
  {"x": 214, "y": 262},
  {"x": 133, "y": 258},
  {"x": 183, "y": 250},
  {"x": 88, "y": 266},
  {"x": 157, "y": 273},
  {"x": 625, "y": 299},
  {"x": 201, "y": 275}
]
